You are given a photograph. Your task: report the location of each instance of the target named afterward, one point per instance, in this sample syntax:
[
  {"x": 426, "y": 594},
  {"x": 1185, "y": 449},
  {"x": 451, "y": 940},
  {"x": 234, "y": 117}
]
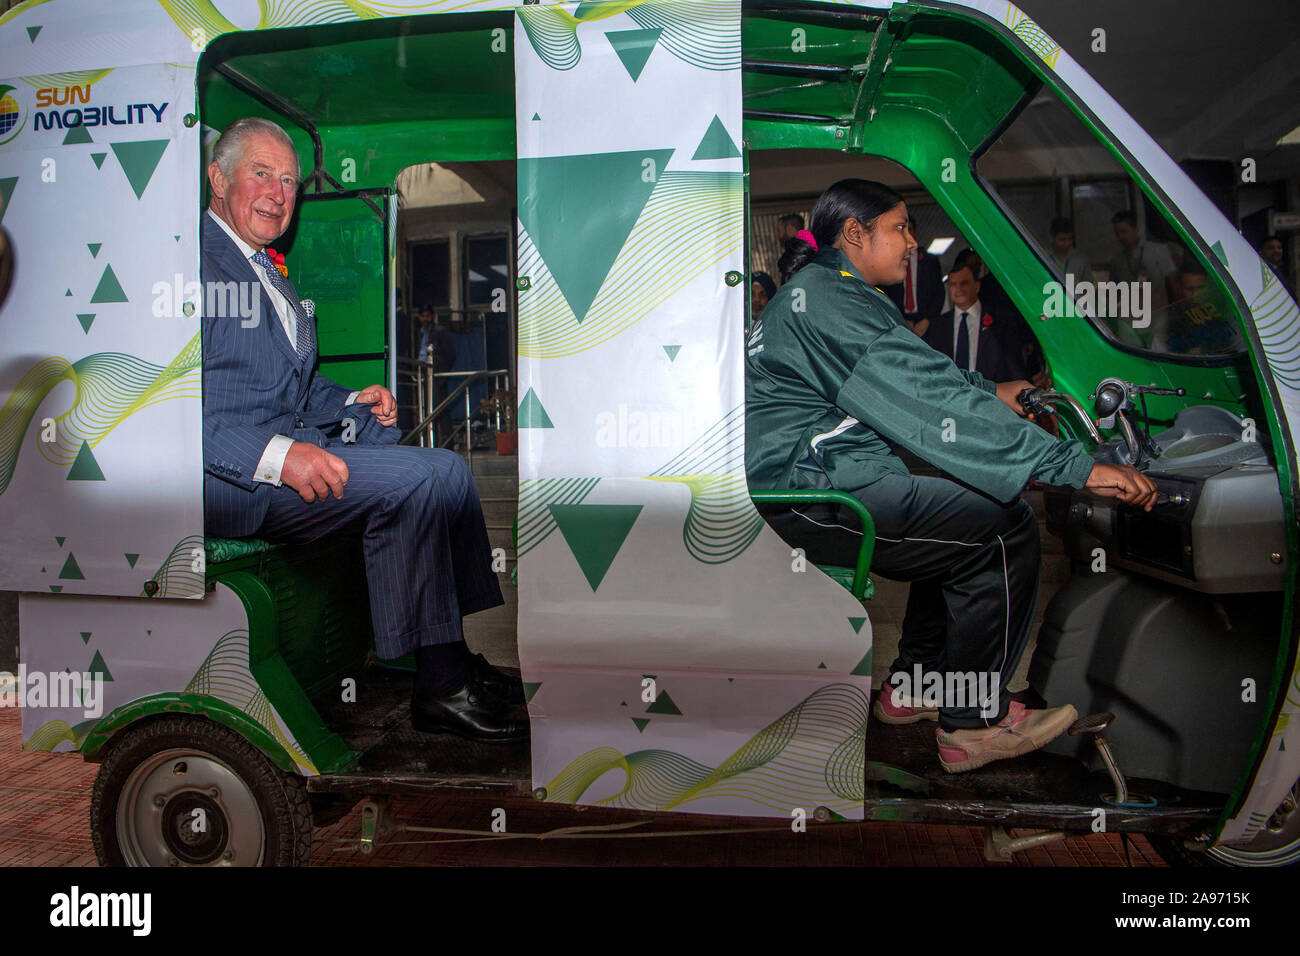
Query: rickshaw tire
[{"x": 281, "y": 797}]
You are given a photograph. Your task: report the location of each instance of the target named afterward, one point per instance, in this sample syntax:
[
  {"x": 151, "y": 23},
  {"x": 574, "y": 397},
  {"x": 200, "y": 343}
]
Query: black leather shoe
[
  {"x": 510, "y": 689},
  {"x": 472, "y": 712}
]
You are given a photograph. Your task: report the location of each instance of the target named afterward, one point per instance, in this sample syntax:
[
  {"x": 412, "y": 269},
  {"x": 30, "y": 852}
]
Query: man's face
[
  {"x": 1062, "y": 243},
  {"x": 1193, "y": 285},
  {"x": 786, "y": 230},
  {"x": 1272, "y": 251},
  {"x": 1126, "y": 234},
  {"x": 758, "y": 296},
  {"x": 257, "y": 200},
  {"x": 426, "y": 317},
  {"x": 963, "y": 287}
]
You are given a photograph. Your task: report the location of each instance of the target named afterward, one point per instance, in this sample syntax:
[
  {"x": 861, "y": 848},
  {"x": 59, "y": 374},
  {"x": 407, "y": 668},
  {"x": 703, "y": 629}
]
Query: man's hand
[
  {"x": 1123, "y": 482},
  {"x": 313, "y": 472},
  {"x": 1007, "y": 391},
  {"x": 385, "y": 405}
]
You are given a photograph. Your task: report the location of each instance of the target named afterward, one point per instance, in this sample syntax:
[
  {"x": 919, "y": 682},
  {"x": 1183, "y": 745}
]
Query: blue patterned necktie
[
  {"x": 306, "y": 328},
  {"x": 962, "y": 356}
]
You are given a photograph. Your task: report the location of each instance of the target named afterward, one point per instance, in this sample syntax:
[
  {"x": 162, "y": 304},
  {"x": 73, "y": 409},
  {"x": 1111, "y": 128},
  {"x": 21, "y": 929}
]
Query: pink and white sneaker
[
  {"x": 888, "y": 712},
  {"x": 1019, "y": 732}
]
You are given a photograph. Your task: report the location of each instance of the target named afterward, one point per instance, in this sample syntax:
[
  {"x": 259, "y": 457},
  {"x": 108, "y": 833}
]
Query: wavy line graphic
[
  {"x": 707, "y": 206},
  {"x": 815, "y": 747},
  {"x": 721, "y": 521},
  {"x": 224, "y": 674},
  {"x": 75, "y": 78},
  {"x": 1277, "y": 321},
  {"x": 110, "y": 387},
  {"x": 177, "y": 577},
  {"x": 535, "y": 520}
]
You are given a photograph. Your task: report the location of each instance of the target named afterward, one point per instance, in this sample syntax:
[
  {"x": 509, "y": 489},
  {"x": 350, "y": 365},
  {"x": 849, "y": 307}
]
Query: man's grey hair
[{"x": 230, "y": 147}]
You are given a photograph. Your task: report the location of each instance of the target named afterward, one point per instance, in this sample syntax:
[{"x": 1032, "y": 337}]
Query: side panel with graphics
[
  {"x": 100, "y": 469},
  {"x": 677, "y": 655}
]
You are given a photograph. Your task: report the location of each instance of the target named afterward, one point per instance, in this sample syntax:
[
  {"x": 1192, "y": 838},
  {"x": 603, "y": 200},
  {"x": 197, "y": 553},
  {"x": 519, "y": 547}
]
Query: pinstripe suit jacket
[{"x": 255, "y": 386}]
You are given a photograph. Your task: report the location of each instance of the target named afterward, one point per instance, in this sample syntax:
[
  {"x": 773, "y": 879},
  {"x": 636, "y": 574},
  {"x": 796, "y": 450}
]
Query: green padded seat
[
  {"x": 217, "y": 550},
  {"x": 856, "y": 580}
]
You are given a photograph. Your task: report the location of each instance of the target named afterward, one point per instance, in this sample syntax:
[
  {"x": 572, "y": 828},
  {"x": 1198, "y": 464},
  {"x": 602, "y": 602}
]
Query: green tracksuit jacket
[{"x": 833, "y": 371}]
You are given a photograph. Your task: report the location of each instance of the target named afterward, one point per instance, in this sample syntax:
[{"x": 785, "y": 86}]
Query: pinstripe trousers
[
  {"x": 427, "y": 557},
  {"x": 973, "y": 567}
]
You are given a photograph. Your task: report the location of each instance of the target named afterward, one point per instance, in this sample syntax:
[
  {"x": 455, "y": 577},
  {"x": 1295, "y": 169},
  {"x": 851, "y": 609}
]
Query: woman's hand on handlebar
[
  {"x": 1123, "y": 482},
  {"x": 1009, "y": 392}
]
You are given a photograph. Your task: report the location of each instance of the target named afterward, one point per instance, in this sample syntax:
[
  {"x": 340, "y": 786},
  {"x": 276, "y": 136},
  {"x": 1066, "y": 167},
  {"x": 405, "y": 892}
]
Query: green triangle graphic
[
  {"x": 85, "y": 637},
  {"x": 131, "y": 559},
  {"x": 60, "y": 539},
  {"x": 85, "y": 468},
  {"x": 109, "y": 289},
  {"x": 821, "y": 666},
  {"x": 717, "y": 143},
  {"x": 530, "y": 689},
  {"x": 857, "y": 623},
  {"x": 33, "y": 32},
  {"x": 85, "y": 318},
  {"x": 56, "y": 588},
  {"x": 177, "y": 238},
  {"x": 634, "y": 48},
  {"x": 672, "y": 351},
  {"x": 97, "y": 666},
  {"x": 99, "y": 159},
  {"x": 536, "y": 118},
  {"x": 640, "y": 723},
  {"x": 623, "y": 704},
  {"x": 532, "y": 414},
  {"x": 77, "y": 134},
  {"x": 139, "y": 160},
  {"x": 42, "y": 570},
  {"x": 864, "y": 667},
  {"x": 94, "y": 248},
  {"x": 1282, "y": 744},
  {"x": 71, "y": 572},
  {"x": 1217, "y": 249},
  {"x": 594, "y": 533},
  {"x": 579, "y": 211},
  {"x": 68, "y": 294},
  {"x": 663, "y": 705},
  {"x": 6, "y": 190}
]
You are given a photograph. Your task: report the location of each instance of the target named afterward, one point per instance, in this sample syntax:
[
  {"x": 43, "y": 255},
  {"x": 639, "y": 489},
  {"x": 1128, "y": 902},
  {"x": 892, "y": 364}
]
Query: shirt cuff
[
  {"x": 272, "y": 463},
  {"x": 351, "y": 398}
]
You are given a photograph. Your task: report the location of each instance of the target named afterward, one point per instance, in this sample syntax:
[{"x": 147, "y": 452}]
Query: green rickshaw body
[{"x": 675, "y": 657}]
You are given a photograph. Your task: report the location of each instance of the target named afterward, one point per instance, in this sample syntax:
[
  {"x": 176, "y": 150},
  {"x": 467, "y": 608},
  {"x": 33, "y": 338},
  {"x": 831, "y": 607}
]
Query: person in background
[
  {"x": 1140, "y": 260},
  {"x": 788, "y": 226},
  {"x": 920, "y": 295},
  {"x": 1070, "y": 260},
  {"x": 761, "y": 291},
  {"x": 1270, "y": 250},
  {"x": 1018, "y": 342},
  {"x": 969, "y": 334},
  {"x": 1196, "y": 326}
]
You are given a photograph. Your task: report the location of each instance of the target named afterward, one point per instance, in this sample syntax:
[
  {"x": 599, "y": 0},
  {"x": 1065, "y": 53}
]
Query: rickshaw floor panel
[
  {"x": 905, "y": 781},
  {"x": 396, "y": 758}
]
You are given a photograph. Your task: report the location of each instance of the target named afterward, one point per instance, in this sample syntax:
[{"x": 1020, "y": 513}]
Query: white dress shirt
[
  {"x": 973, "y": 316},
  {"x": 271, "y": 463}
]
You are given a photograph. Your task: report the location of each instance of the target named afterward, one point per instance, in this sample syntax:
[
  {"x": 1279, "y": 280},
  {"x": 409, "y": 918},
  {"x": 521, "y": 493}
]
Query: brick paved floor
[{"x": 45, "y": 801}]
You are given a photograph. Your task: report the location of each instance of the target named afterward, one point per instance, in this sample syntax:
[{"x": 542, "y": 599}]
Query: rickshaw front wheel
[
  {"x": 185, "y": 791},
  {"x": 1276, "y": 844}
]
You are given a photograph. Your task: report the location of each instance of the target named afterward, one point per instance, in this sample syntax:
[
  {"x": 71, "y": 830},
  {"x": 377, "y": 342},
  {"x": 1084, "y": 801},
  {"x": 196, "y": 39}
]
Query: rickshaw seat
[
  {"x": 218, "y": 550},
  {"x": 855, "y": 579}
]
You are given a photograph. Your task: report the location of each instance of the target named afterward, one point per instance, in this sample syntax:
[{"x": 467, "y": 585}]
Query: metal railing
[{"x": 425, "y": 431}]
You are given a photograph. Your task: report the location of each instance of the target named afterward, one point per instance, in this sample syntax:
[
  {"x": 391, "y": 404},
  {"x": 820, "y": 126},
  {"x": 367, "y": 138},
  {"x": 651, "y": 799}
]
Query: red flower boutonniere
[
  {"x": 278, "y": 259},
  {"x": 986, "y": 321}
]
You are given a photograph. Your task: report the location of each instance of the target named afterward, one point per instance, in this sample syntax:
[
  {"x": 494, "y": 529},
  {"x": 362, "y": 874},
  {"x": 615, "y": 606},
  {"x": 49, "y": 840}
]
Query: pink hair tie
[{"x": 807, "y": 237}]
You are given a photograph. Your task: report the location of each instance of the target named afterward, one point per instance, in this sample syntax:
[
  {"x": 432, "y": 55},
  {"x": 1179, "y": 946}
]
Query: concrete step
[
  {"x": 499, "y": 512},
  {"x": 485, "y": 463},
  {"x": 497, "y": 486}
]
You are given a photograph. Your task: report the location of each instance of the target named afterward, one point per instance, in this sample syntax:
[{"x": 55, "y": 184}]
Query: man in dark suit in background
[
  {"x": 968, "y": 333},
  {"x": 920, "y": 295},
  {"x": 281, "y": 442}
]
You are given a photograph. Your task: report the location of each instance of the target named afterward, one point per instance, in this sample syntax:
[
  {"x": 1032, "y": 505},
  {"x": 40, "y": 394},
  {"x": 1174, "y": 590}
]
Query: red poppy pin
[
  {"x": 987, "y": 321},
  {"x": 278, "y": 259}
]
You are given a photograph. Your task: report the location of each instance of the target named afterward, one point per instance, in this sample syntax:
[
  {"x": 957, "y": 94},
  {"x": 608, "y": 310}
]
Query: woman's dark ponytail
[{"x": 862, "y": 199}]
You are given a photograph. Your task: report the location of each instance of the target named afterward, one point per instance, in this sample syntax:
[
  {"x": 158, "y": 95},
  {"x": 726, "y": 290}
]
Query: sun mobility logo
[
  {"x": 11, "y": 117},
  {"x": 69, "y": 107}
]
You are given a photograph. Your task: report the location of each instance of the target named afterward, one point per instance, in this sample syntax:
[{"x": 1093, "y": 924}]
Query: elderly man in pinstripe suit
[{"x": 281, "y": 461}]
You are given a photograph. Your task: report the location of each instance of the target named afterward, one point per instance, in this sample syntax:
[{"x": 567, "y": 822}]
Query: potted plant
[{"x": 500, "y": 407}]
